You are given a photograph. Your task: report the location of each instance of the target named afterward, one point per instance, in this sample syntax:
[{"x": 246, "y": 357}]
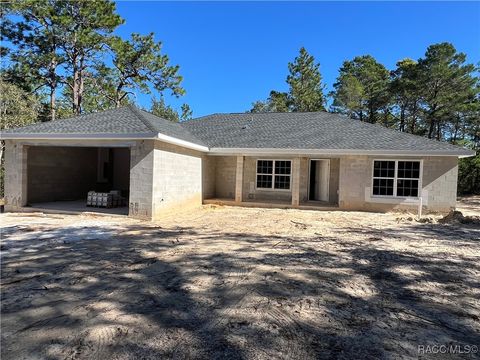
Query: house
[{"x": 306, "y": 160}]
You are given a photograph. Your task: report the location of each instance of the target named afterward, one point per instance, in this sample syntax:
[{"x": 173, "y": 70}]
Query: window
[
  {"x": 274, "y": 174},
  {"x": 396, "y": 178}
]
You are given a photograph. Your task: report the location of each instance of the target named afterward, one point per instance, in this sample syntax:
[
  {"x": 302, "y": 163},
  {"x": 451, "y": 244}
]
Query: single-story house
[{"x": 312, "y": 160}]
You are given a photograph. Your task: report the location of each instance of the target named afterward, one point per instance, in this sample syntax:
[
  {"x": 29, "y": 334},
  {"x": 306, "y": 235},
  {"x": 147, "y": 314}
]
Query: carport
[{"x": 60, "y": 177}]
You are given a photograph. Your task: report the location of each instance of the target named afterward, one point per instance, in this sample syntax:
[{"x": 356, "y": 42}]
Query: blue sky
[{"x": 231, "y": 53}]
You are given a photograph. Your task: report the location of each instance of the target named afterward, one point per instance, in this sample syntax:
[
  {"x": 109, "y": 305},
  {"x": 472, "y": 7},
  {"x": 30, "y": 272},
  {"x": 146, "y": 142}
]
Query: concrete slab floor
[{"x": 76, "y": 206}]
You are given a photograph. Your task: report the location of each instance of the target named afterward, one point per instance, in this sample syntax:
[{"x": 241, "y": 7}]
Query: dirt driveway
[{"x": 237, "y": 283}]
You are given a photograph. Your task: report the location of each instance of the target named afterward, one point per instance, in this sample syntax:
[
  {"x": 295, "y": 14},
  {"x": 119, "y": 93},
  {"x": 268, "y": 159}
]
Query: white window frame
[
  {"x": 273, "y": 175},
  {"x": 395, "y": 178}
]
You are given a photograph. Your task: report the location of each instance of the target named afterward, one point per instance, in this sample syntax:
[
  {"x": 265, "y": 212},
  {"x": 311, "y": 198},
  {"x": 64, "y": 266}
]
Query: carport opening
[{"x": 60, "y": 178}]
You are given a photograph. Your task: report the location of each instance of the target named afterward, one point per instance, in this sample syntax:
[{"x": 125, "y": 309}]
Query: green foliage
[
  {"x": 35, "y": 60},
  {"x": 66, "y": 47},
  {"x": 85, "y": 27},
  {"x": 349, "y": 96},
  {"x": 361, "y": 89},
  {"x": 161, "y": 109},
  {"x": 406, "y": 95},
  {"x": 187, "y": 113},
  {"x": 139, "y": 64},
  {"x": 276, "y": 102},
  {"x": 17, "y": 107},
  {"x": 305, "y": 83},
  {"x": 446, "y": 83},
  {"x": 469, "y": 175},
  {"x": 305, "y": 88}
]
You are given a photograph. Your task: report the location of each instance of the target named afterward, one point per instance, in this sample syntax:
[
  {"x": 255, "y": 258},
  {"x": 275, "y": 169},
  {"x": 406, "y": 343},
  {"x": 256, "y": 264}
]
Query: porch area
[
  {"x": 277, "y": 204},
  {"x": 288, "y": 182}
]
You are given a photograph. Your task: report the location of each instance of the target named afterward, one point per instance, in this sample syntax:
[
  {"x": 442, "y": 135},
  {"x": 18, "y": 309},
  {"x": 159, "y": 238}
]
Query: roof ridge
[
  {"x": 217, "y": 114},
  {"x": 139, "y": 115}
]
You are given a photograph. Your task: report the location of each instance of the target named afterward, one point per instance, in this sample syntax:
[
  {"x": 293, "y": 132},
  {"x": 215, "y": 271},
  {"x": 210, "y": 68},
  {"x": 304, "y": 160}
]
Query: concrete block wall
[
  {"x": 141, "y": 180},
  {"x": 60, "y": 173},
  {"x": 15, "y": 175},
  {"x": 355, "y": 176},
  {"x": 209, "y": 166},
  {"x": 439, "y": 185},
  {"x": 225, "y": 176},
  {"x": 225, "y": 169},
  {"x": 440, "y": 175},
  {"x": 250, "y": 192},
  {"x": 177, "y": 178},
  {"x": 121, "y": 169},
  {"x": 305, "y": 179},
  {"x": 334, "y": 180}
]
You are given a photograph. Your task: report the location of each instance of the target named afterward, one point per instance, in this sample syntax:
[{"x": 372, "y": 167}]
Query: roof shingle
[
  {"x": 127, "y": 120},
  {"x": 314, "y": 130},
  {"x": 308, "y": 131}
]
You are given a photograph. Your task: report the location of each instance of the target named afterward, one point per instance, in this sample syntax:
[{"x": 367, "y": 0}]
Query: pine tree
[
  {"x": 362, "y": 89},
  {"x": 446, "y": 84},
  {"x": 405, "y": 92},
  {"x": 85, "y": 27},
  {"x": 305, "y": 83},
  {"x": 36, "y": 59},
  {"x": 161, "y": 109}
]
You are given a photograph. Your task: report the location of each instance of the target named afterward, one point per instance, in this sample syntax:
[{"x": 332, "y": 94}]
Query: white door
[
  {"x": 322, "y": 177},
  {"x": 324, "y": 166}
]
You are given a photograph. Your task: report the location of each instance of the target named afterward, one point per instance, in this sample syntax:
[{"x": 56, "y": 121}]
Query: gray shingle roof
[
  {"x": 309, "y": 131},
  {"x": 127, "y": 120},
  {"x": 314, "y": 130}
]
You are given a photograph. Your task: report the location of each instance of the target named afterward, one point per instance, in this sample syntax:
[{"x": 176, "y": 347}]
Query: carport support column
[
  {"x": 16, "y": 185},
  {"x": 296, "y": 182},
  {"x": 239, "y": 180}
]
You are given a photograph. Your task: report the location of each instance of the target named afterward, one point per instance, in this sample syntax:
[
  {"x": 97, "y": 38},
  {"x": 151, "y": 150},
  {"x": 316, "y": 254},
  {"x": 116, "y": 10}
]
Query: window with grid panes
[
  {"x": 396, "y": 178},
  {"x": 274, "y": 174}
]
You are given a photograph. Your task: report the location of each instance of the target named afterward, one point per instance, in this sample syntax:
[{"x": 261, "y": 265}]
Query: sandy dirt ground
[{"x": 239, "y": 283}]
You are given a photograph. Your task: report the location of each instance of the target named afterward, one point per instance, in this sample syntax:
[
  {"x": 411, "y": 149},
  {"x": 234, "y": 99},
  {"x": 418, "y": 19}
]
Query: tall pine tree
[
  {"x": 305, "y": 83},
  {"x": 361, "y": 89}
]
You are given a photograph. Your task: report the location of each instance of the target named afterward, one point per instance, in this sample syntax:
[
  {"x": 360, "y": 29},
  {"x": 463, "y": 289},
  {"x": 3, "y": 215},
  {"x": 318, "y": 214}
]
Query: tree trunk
[
  {"x": 402, "y": 119},
  {"x": 413, "y": 125},
  {"x": 439, "y": 131},
  {"x": 81, "y": 87},
  {"x": 431, "y": 128},
  {"x": 53, "y": 86},
  {"x": 118, "y": 98},
  {"x": 75, "y": 91},
  {"x": 455, "y": 134},
  {"x": 52, "y": 103}
]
